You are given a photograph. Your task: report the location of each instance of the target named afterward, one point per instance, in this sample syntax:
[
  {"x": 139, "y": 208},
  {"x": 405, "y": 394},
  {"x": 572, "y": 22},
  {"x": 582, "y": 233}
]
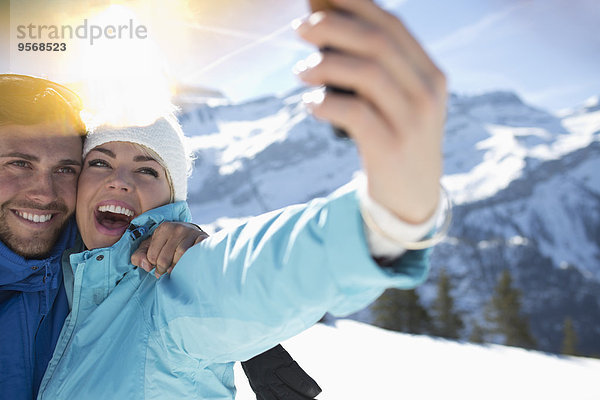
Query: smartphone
[{"x": 321, "y": 5}]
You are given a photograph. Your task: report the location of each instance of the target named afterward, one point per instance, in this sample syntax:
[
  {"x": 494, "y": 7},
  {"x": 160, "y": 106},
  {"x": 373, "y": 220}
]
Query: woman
[{"x": 132, "y": 336}]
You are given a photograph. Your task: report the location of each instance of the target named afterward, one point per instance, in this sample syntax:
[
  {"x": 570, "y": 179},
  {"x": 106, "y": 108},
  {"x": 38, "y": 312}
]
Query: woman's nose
[{"x": 119, "y": 180}]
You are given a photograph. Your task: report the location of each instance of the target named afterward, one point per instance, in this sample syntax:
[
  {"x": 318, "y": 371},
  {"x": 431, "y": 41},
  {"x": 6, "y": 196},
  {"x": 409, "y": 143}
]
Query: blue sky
[{"x": 548, "y": 51}]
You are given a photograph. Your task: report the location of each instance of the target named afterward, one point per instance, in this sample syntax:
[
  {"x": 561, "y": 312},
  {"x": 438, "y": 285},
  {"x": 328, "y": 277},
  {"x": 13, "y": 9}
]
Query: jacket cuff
[{"x": 385, "y": 242}]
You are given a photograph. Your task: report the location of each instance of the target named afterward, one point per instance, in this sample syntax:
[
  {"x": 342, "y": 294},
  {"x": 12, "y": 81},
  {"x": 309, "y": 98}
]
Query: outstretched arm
[{"x": 283, "y": 270}]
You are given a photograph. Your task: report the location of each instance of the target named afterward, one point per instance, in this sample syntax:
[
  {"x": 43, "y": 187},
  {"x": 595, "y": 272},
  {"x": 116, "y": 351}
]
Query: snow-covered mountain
[
  {"x": 259, "y": 156},
  {"x": 530, "y": 202},
  {"x": 524, "y": 183}
]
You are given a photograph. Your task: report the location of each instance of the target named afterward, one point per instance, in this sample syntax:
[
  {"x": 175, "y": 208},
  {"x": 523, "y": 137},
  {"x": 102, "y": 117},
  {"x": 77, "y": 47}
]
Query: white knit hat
[{"x": 164, "y": 136}]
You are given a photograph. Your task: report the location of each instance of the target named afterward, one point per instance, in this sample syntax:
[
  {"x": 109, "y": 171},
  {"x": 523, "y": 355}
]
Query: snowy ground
[{"x": 358, "y": 361}]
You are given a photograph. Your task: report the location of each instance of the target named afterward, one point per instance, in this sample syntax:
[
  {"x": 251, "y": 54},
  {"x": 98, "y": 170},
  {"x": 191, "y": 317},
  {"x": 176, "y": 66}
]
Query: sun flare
[{"x": 123, "y": 75}]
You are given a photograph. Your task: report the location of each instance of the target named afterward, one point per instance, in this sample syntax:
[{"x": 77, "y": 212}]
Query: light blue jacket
[{"x": 235, "y": 295}]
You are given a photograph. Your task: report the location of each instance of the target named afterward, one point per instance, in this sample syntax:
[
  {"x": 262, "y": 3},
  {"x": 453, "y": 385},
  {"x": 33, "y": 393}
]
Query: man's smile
[{"x": 33, "y": 217}]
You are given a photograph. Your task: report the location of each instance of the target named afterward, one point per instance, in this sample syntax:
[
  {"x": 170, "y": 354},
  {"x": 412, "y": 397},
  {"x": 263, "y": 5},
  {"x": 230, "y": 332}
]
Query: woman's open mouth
[{"x": 112, "y": 219}]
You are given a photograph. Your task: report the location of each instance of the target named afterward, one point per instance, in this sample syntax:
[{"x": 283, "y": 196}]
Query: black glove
[{"x": 274, "y": 375}]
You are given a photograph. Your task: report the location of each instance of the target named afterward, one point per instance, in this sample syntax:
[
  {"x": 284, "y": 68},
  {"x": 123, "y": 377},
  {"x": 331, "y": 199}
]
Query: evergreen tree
[
  {"x": 504, "y": 313},
  {"x": 448, "y": 322},
  {"x": 401, "y": 311},
  {"x": 569, "y": 344},
  {"x": 477, "y": 334}
]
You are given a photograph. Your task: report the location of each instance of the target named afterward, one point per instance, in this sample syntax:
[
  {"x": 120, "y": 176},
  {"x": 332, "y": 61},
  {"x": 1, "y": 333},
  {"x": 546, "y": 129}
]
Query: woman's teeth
[
  {"x": 34, "y": 217},
  {"x": 116, "y": 210}
]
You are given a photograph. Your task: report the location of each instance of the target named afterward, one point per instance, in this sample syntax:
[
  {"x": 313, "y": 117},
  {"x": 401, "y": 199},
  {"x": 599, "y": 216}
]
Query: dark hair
[{"x": 27, "y": 100}]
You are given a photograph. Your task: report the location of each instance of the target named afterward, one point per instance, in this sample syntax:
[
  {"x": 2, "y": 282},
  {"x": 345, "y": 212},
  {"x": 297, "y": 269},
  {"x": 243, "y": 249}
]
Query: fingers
[
  {"x": 365, "y": 40},
  {"x": 170, "y": 241},
  {"x": 139, "y": 258},
  {"x": 374, "y": 63},
  {"x": 377, "y": 86},
  {"x": 166, "y": 246},
  {"x": 150, "y": 255},
  {"x": 171, "y": 251},
  {"x": 389, "y": 31},
  {"x": 397, "y": 115},
  {"x": 377, "y": 58},
  {"x": 160, "y": 260},
  {"x": 357, "y": 117}
]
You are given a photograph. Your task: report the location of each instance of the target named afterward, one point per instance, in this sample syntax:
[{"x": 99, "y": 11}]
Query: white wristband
[{"x": 388, "y": 236}]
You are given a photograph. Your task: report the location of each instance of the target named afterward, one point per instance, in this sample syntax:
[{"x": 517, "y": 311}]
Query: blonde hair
[{"x": 151, "y": 153}]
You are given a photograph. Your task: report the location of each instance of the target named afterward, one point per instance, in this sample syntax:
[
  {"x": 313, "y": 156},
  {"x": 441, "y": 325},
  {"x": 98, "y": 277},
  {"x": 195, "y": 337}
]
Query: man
[
  {"x": 40, "y": 159},
  {"x": 41, "y": 136}
]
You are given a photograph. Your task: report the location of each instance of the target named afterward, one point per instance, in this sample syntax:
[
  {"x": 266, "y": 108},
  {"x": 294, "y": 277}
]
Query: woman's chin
[{"x": 99, "y": 241}]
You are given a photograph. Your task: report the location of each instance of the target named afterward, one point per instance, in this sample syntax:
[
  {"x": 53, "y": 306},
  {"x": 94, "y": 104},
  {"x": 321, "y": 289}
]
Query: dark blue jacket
[{"x": 33, "y": 307}]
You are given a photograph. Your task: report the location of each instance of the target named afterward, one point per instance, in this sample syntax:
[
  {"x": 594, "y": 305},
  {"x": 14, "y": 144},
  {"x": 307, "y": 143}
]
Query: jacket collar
[
  {"x": 32, "y": 275},
  {"x": 140, "y": 228}
]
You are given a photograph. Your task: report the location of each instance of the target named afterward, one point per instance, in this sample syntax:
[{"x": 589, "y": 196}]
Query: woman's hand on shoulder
[{"x": 165, "y": 247}]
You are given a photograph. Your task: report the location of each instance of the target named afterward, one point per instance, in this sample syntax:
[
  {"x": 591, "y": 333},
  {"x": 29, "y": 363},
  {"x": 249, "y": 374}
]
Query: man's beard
[{"x": 37, "y": 245}]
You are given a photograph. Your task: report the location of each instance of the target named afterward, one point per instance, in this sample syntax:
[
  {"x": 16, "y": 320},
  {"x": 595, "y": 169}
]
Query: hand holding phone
[
  {"x": 322, "y": 5},
  {"x": 396, "y": 116}
]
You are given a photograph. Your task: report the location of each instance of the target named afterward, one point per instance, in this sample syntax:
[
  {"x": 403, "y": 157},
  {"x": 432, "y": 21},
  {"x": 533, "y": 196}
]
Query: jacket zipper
[{"x": 66, "y": 333}]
